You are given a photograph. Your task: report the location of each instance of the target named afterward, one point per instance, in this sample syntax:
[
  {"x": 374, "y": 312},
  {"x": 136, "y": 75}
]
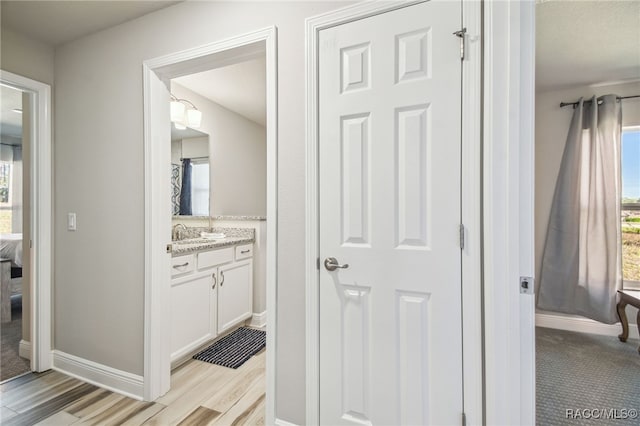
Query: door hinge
[
  {"x": 461, "y": 236},
  {"x": 464, "y": 419},
  {"x": 526, "y": 285},
  {"x": 30, "y": 243},
  {"x": 463, "y": 41},
  {"x": 318, "y": 263}
]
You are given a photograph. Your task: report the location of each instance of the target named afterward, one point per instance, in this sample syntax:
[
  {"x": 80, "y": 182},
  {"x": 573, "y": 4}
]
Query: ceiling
[
  {"x": 58, "y": 22},
  {"x": 586, "y": 42},
  {"x": 10, "y": 121},
  {"x": 240, "y": 88}
]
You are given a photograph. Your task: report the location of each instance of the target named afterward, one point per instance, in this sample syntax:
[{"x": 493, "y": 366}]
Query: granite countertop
[
  {"x": 200, "y": 244},
  {"x": 193, "y": 242},
  {"x": 223, "y": 217},
  {"x": 239, "y": 217}
]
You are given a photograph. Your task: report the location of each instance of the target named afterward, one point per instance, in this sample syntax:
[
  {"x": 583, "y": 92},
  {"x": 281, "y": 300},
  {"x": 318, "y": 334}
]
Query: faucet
[{"x": 176, "y": 231}]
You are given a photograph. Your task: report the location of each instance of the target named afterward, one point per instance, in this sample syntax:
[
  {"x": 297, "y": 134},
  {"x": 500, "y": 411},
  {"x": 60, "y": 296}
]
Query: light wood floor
[{"x": 201, "y": 394}]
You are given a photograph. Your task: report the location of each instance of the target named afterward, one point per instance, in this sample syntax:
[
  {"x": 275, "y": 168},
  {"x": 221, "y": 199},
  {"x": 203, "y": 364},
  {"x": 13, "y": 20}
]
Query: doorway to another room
[
  {"x": 218, "y": 197},
  {"x": 587, "y": 211},
  {"x": 15, "y": 286},
  {"x": 211, "y": 120},
  {"x": 25, "y": 219}
]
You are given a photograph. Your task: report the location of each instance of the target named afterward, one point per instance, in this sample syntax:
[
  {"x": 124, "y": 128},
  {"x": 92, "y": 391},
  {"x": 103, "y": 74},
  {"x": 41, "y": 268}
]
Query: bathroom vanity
[{"x": 211, "y": 288}]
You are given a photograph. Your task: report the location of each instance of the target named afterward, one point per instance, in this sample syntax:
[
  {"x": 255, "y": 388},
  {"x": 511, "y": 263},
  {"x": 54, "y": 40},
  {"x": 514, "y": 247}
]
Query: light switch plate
[{"x": 71, "y": 221}]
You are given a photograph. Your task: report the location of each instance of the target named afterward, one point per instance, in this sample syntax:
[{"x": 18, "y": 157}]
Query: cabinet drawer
[
  {"x": 182, "y": 264},
  {"x": 242, "y": 252},
  {"x": 207, "y": 259}
]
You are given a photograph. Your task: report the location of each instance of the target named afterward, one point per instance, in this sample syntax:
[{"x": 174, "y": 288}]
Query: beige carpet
[{"x": 11, "y": 333}]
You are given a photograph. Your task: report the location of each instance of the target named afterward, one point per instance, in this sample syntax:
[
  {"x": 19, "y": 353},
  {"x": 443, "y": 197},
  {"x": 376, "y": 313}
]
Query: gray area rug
[
  {"x": 11, "y": 333},
  {"x": 234, "y": 349},
  {"x": 578, "y": 372}
]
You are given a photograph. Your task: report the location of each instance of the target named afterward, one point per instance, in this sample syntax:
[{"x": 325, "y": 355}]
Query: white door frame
[
  {"x": 508, "y": 194},
  {"x": 41, "y": 216},
  {"x": 471, "y": 173},
  {"x": 156, "y": 328}
]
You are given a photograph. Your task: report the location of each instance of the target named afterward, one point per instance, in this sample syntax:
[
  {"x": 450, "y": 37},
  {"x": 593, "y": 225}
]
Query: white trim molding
[
  {"x": 246, "y": 46},
  {"x": 122, "y": 382},
  {"x": 24, "y": 349},
  {"x": 41, "y": 216},
  {"x": 583, "y": 325},
  {"x": 280, "y": 422},
  {"x": 471, "y": 211},
  {"x": 258, "y": 320},
  {"x": 508, "y": 158}
]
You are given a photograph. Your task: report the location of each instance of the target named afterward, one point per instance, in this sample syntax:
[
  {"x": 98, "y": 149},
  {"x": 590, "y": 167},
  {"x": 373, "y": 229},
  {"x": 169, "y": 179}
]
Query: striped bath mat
[{"x": 234, "y": 349}]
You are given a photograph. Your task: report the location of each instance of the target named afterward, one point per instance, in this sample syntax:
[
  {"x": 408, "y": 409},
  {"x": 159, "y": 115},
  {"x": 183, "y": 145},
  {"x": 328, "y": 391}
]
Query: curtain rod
[
  {"x": 564, "y": 104},
  {"x": 195, "y": 158}
]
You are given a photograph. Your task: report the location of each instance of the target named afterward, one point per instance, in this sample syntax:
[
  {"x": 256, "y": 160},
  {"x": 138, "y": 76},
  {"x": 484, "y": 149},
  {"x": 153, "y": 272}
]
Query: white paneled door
[{"x": 390, "y": 146}]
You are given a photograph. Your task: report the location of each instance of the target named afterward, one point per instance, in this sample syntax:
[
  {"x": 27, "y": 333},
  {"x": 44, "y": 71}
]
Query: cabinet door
[
  {"x": 193, "y": 312},
  {"x": 235, "y": 293}
]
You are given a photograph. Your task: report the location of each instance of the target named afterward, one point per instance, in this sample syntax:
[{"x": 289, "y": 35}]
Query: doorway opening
[
  {"x": 26, "y": 211},
  {"x": 217, "y": 177},
  {"x": 15, "y": 329},
  {"x": 586, "y": 242}
]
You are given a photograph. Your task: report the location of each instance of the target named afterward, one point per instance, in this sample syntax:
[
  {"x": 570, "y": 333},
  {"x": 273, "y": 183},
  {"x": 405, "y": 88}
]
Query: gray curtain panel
[
  {"x": 185, "y": 192},
  {"x": 581, "y": 265}
]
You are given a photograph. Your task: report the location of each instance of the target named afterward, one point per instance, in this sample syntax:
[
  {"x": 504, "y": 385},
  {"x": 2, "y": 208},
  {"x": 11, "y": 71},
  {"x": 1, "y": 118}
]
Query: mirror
[{"x": 189, "y": 172}]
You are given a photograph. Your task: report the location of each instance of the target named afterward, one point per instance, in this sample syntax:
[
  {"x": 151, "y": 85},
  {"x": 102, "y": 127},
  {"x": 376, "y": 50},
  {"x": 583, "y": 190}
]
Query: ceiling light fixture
[{"x": 185, "y": 113}]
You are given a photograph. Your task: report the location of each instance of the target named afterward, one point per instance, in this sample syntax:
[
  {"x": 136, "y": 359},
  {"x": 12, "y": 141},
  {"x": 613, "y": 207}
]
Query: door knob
[{"x": 331, "y": 264}]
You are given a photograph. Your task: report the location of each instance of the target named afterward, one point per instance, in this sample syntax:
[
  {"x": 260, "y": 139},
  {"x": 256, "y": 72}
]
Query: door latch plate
[{"x": 526, "y": 285}]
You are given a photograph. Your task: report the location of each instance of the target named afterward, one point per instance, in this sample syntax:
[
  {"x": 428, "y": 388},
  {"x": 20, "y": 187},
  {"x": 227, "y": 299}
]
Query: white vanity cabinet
[
  {"x": 193, "y": 312},
  {"x": 211, "y": 291},
  {"x": 235, "y": 290}
]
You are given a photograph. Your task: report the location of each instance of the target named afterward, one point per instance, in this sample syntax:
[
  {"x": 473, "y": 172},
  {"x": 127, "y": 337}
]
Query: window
[
  {"x": 5, "y": 197},
  {"x": 200, "y": 188},
  {"x": 631, "y": 207},
  {"x": 5, "y": 181}
]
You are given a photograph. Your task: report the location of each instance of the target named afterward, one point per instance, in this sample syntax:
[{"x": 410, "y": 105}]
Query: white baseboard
[
  {"x": 258, "y": 320},
  {"x": 280, "y": 422},
  {"x": 583, "y": 325},
  {"x": 24, "y": 349},
  {"x": 127, "y": 384}
]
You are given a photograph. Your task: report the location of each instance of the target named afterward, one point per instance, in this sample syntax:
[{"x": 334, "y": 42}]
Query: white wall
[
  {"x": 195, "y": 147},
  {"x": 26, "y": 57},
  {"x": 98, "y": 153},
  {"x": 189, "y": 148},
  {"x": 552, "y": 126},
  {"x": 238, "y": 158}
]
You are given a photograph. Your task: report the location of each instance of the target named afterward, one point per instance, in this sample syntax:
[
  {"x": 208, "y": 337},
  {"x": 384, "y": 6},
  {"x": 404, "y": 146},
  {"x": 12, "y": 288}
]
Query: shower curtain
[
  {"x": 185, "y": 192},
  {"x": 581, "y": 265}
]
